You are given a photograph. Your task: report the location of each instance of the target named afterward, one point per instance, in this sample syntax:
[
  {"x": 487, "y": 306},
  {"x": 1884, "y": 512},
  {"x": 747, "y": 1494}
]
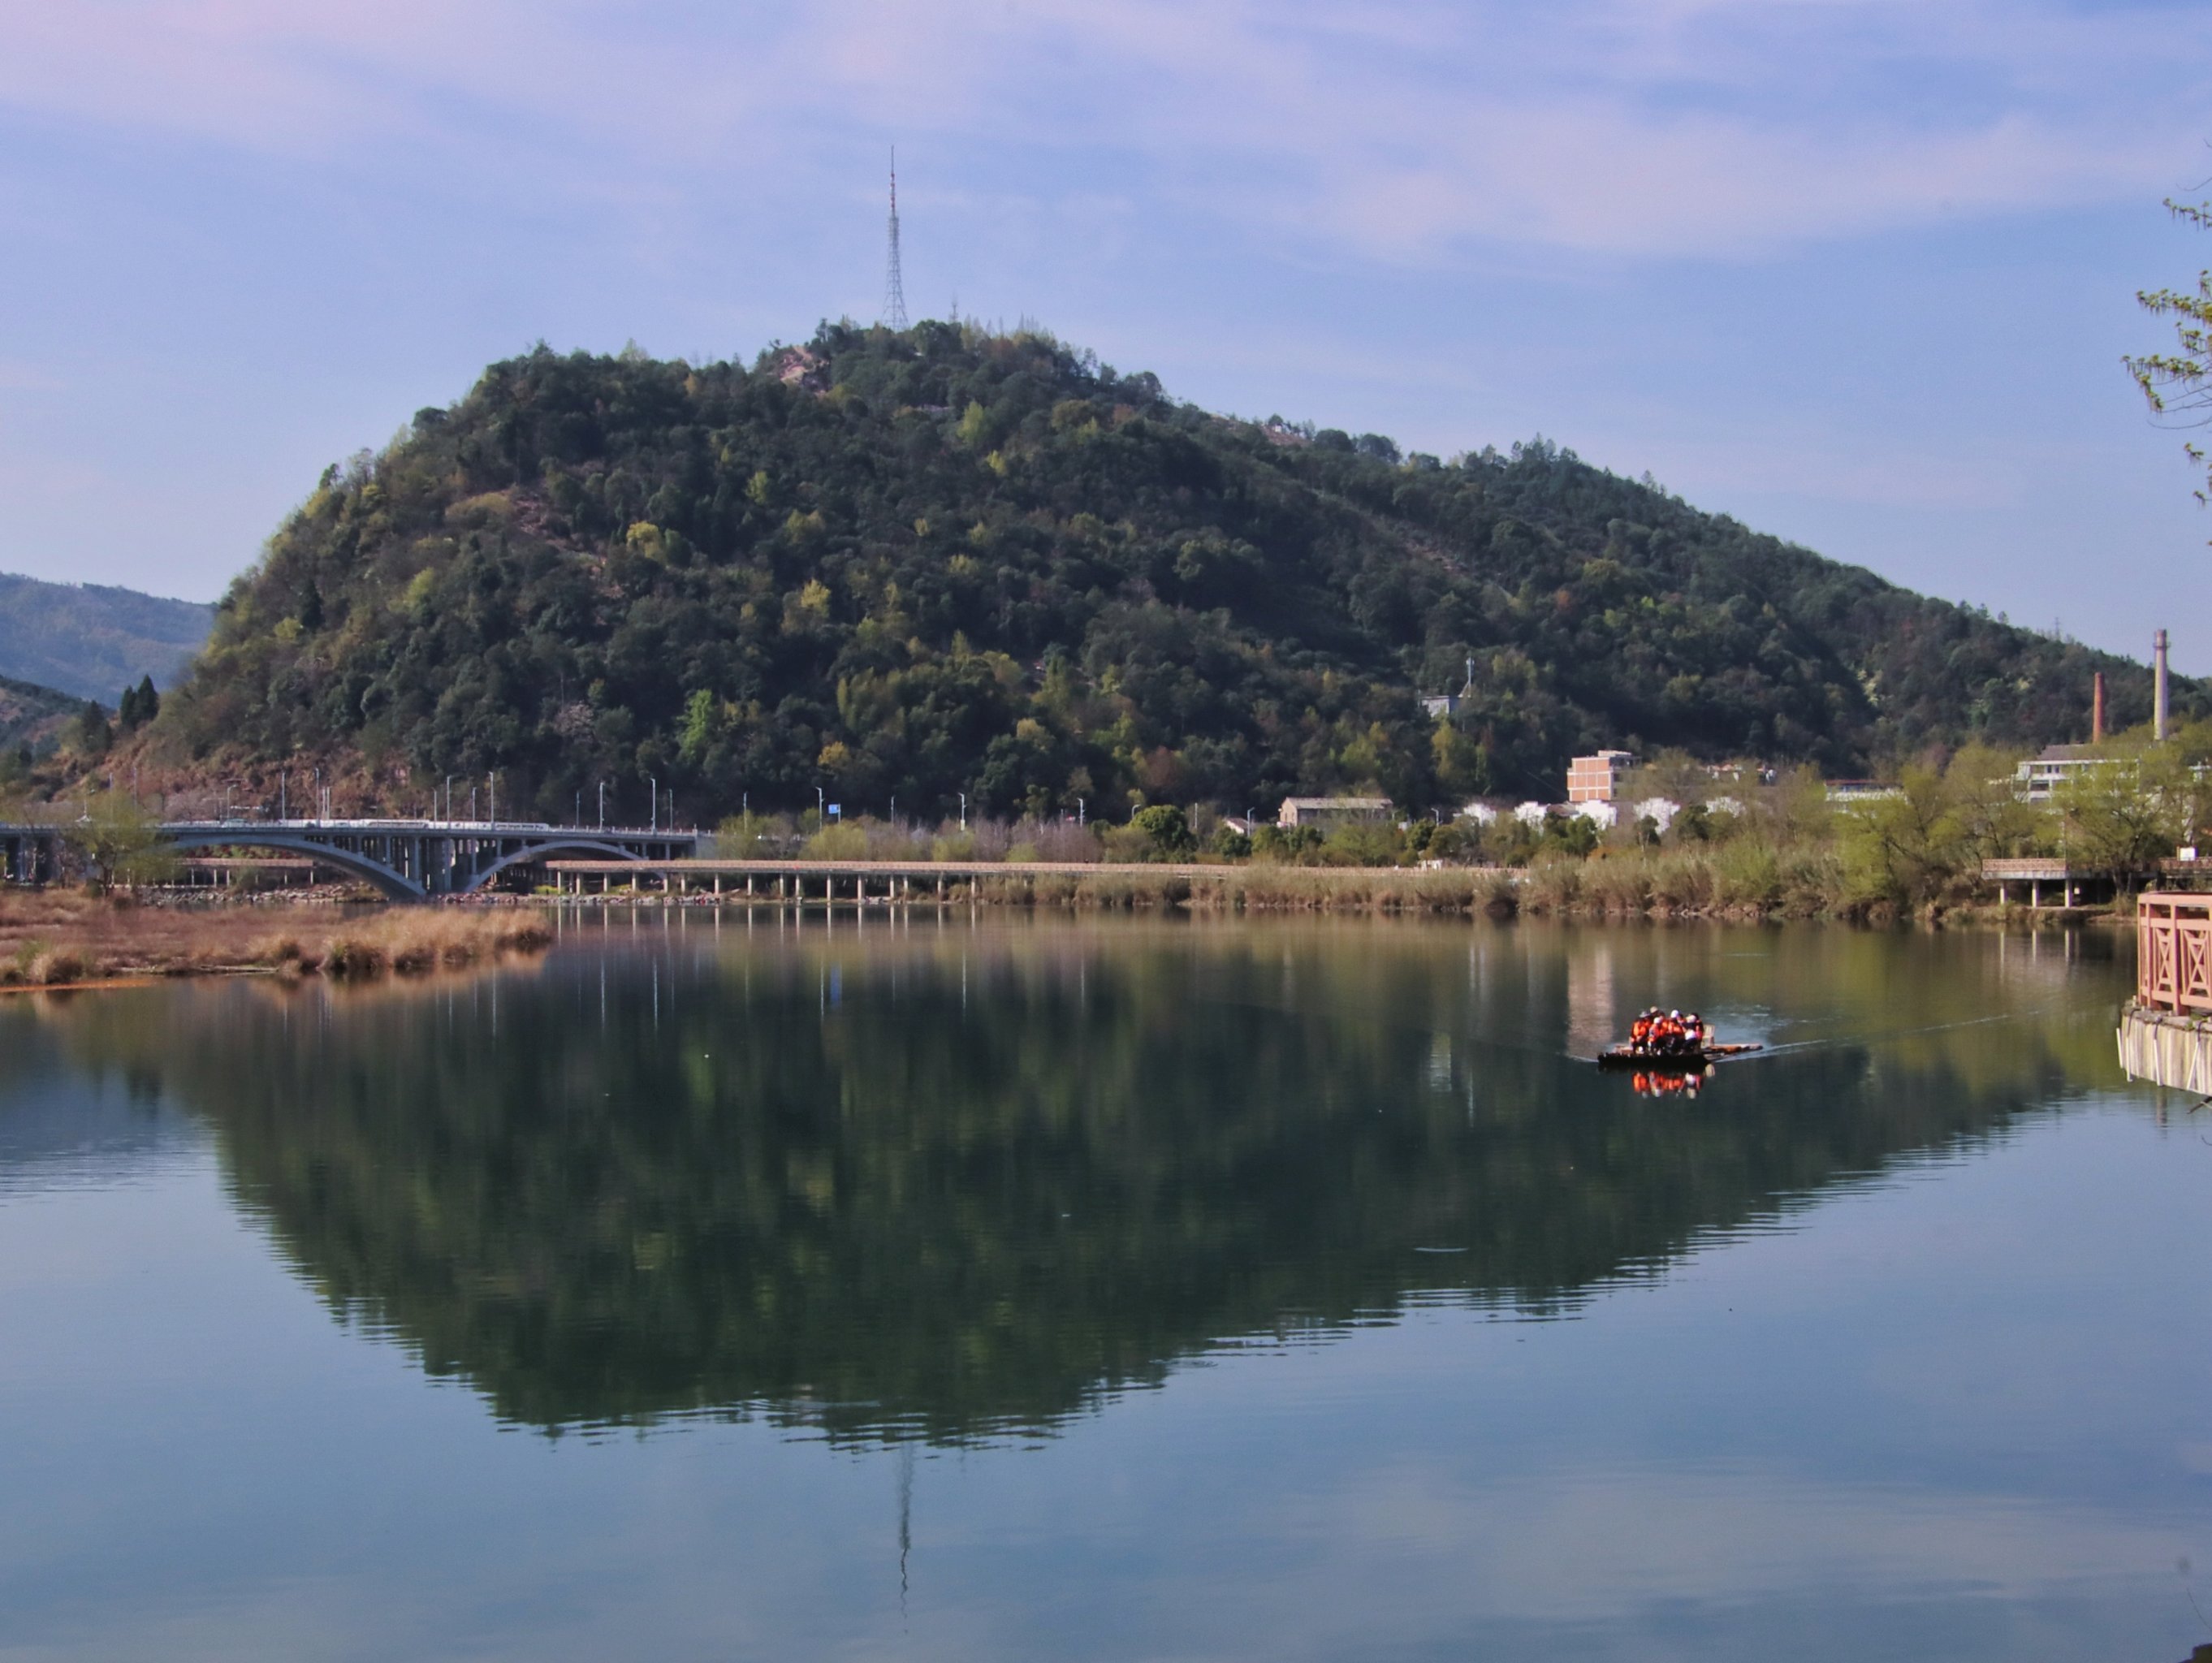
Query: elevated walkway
[{"x": 2042, "y": 882}]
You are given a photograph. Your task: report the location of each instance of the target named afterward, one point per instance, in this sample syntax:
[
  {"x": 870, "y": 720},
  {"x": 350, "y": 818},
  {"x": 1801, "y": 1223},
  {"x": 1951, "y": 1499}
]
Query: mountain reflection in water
[{"x": 960, "y": 1182}]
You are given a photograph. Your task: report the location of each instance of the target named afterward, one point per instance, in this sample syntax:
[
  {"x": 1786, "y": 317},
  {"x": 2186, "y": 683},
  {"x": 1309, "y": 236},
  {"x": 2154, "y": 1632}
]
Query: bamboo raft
[{"x": 1668, "y": 1062}]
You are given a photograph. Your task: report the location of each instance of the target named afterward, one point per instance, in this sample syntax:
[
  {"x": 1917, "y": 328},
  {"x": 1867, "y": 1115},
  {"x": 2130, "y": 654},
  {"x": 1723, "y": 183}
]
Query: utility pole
[{"x": 963, "y": 810}]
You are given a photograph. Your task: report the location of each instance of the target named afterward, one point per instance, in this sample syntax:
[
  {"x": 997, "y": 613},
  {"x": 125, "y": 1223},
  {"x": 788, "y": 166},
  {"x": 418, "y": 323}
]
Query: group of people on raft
[{"x": 1670, "y": 1034}]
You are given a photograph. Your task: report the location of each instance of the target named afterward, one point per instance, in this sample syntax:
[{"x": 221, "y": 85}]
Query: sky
[{"x": 1860, "y": 273}]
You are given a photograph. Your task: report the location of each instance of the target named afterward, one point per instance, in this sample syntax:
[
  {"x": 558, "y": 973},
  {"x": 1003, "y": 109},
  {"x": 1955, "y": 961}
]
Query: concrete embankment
[{"x": 2165, "y": 1048}]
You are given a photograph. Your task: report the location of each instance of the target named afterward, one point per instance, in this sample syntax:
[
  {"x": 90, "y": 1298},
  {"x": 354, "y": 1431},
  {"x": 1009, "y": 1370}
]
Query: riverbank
[
  {"x": 63, "y": 939},
  {"x": 66, "y": 937}
]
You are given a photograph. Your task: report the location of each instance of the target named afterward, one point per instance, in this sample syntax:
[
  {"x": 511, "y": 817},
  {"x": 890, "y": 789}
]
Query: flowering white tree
[{"x": 2178, "y": 384}]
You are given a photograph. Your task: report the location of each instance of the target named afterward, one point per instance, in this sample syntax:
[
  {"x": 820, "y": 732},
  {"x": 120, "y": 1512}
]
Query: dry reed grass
[{"x": 55, "y": 938}]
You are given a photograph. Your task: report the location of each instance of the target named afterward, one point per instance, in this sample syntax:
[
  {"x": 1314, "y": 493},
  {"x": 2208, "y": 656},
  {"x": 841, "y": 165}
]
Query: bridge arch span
[{"x": 392, "y": 885}]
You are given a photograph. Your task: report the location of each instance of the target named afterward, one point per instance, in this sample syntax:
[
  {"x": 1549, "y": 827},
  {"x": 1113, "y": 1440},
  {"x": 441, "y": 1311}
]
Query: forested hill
[
  {"x": 91, "y": 640},
  {"x": 31, "y": 717},
  {"x": 911, "y": 565}
]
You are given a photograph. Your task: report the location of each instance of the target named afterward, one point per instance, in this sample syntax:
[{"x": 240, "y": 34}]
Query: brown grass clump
[
  {"x": 56, "y": 937},
  {"x": 417, "y": 940},
  {"x": 55, "y": 967}
]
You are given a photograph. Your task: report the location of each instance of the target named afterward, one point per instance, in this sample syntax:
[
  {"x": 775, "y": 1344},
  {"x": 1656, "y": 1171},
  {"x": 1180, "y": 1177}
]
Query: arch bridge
[{"x": 425, "y": 859}]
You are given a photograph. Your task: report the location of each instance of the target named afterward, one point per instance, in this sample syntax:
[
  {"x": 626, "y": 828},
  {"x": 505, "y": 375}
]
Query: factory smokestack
[
  {"x": 2097, "y": 709},
  {"x": 2158, "y": 705}
]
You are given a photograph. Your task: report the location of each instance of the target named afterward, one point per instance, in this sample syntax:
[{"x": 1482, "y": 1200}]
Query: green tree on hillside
[
  {"x": 89, "y": 734},
  {"x": 138, "y": 705}
]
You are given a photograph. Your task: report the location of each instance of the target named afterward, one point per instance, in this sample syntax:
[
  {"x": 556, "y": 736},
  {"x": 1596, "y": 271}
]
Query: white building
[
  {"x": 1846, "y": 792},
  {"x": 1597, "y": 779},
  {"x": 2041, "y": 775},
  {"x": 1326, "y": 812}
]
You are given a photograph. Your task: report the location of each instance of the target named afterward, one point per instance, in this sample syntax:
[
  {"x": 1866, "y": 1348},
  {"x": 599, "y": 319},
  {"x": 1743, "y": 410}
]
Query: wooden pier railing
[{"x": 2174, "y": 951}]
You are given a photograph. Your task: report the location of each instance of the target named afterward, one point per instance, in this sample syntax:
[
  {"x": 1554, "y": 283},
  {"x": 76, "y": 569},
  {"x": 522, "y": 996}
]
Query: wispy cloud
[{"x": 1404, "y": 131}]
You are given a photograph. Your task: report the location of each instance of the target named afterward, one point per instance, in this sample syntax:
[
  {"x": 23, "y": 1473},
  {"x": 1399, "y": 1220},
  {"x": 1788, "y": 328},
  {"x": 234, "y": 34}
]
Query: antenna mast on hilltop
[{"x": 894, "y": 288}]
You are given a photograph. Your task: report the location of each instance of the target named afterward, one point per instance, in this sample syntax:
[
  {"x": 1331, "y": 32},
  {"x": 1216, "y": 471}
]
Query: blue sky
[{"x": 1858, "y": 272}]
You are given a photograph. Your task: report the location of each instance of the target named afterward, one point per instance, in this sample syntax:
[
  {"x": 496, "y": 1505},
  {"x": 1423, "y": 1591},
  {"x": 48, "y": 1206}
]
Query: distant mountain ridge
[
  {"x": 938, "y": 564},
  {"x": 92, "y": 641}
]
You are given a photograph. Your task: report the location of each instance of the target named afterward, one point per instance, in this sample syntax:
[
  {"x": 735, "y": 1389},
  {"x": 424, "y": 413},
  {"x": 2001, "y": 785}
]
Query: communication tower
[{"x": 894, "y": 288}]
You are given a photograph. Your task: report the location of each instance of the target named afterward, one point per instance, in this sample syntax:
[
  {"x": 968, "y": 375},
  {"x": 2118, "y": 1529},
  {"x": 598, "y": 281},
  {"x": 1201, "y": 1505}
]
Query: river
[{"x": 946, "y": 1287}]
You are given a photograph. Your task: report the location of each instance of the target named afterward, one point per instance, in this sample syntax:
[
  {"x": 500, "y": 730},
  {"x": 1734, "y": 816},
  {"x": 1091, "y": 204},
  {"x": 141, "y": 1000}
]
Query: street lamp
[
  {"x": 656, "y": 801},
  {"x": 963, "y": 810},
  {"x": 821, "y": 813}
]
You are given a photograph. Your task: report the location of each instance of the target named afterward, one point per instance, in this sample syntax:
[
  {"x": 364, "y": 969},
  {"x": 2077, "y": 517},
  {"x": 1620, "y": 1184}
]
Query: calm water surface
[{"x": 1001, "y": 1289}]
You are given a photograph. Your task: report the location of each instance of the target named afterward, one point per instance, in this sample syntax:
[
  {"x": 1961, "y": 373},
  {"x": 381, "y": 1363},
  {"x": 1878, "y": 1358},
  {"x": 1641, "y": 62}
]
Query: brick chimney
[{"x": 2097, "y": 710}]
